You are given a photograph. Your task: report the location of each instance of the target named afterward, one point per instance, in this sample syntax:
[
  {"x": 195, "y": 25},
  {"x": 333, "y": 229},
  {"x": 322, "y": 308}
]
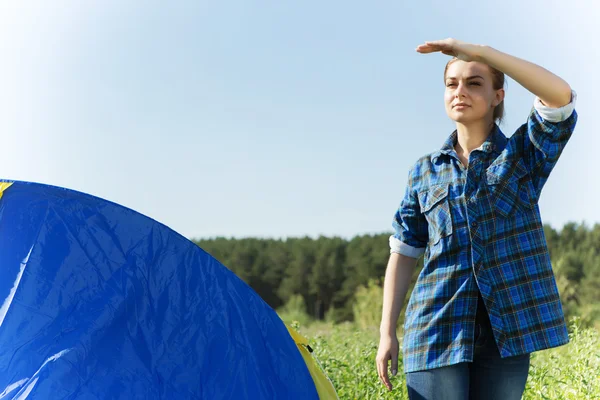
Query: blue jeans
[{"x": 488, "y": 377}]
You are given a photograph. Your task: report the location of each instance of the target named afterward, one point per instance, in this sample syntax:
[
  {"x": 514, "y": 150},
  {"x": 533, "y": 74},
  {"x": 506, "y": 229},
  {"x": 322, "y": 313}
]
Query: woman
[{"x": 486, "y": 296}]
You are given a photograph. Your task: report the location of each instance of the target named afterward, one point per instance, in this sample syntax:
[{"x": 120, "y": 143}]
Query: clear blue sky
[{"x": 269, "y": 119}]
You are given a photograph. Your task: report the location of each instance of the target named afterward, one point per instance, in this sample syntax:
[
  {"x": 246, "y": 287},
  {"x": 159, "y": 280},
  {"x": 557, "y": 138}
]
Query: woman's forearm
[
  {"x": 398, "y": 275},
  {"x": 552, "y": 90}
]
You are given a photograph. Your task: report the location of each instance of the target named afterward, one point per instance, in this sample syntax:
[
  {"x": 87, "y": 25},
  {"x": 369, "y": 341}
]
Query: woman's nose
[{"x": 460, "y": 90}]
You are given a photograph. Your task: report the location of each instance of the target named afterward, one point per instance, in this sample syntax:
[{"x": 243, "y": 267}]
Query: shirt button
[{"x": 474, "y": 224}]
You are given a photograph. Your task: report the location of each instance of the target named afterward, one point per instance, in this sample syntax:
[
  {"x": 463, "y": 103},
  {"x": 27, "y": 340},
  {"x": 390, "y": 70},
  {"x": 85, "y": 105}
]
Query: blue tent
[{"x": 101, "y": 302}]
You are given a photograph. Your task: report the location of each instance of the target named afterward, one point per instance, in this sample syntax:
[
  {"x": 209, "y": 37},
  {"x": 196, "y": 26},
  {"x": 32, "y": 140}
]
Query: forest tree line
[{"x": 327, "y": 272}]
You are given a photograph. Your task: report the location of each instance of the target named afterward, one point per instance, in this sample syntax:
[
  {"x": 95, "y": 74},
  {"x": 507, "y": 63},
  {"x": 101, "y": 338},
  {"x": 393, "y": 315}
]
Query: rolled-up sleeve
[
  {"x": 555, "y": 114},
  {"x": 548, "y": 131},
  {"x": 410, "y": 226}
]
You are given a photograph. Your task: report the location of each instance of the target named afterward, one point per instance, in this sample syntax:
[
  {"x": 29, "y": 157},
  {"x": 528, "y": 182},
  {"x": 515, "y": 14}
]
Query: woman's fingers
[
  {"x": 382, "y": 367},
  {"x": 427, "y": 49},
  {"x": 430, "y": 48},
  {"x": 436, "y": 43},
  {"x": 394, "y": 362},
  {"x": 445, "y": 46},
  {"x": 446, "y": 43},
  {"x": 439, "y": 44},
  {"x": 450, "y": 47}
]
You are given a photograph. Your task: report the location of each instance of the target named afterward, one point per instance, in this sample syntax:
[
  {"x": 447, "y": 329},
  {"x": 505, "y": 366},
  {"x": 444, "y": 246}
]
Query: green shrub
[
  {"x": 367, "y": 305},
  {"x": 295, "y": 311}
]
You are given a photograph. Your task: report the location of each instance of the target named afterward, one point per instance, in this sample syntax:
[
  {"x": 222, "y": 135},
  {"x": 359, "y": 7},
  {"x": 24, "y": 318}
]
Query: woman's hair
[{"x": 497, "y": 83}]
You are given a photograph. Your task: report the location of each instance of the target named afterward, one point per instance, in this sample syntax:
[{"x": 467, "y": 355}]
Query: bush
[
  {"x": 368, "y": 305},
  {"x": 294, "y": 311}
]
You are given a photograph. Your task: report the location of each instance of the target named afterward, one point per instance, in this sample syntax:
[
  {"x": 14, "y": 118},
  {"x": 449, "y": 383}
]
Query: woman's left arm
[{"x": 552, "y": 90}]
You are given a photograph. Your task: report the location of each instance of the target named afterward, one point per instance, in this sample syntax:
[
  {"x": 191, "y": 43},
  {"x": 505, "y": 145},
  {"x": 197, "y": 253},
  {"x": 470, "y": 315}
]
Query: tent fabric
[{"x": 101, "y": 302}]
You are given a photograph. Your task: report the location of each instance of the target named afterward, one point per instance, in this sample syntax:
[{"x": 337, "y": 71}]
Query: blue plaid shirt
[{"x": 480, "y": 231}]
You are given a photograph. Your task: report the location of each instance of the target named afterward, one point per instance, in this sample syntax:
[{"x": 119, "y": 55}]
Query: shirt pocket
[
  {"x": 511, "y": 189},
  {"x": 435, "y": 206}
]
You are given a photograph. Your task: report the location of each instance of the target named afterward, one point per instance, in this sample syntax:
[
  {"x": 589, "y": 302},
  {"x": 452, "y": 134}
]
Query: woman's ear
[{"x": 499, "y": 97}]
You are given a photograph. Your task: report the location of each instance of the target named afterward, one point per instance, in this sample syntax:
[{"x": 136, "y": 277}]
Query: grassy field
[{"x": 347, "y": 354}]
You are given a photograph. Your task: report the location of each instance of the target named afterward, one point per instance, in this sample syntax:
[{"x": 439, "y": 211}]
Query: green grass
[
  {"x": 347, "y": 354},
  {"x": 567, "y": 372}
]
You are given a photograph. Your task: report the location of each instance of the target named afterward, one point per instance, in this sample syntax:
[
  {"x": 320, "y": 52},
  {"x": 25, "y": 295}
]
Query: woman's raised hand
[{"x": 452, "y": 47}]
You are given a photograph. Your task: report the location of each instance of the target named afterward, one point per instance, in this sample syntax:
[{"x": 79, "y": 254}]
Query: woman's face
[{"x": 470, "y": 95}]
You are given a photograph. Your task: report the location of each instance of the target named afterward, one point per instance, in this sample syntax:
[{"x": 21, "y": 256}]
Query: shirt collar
[{"x": 494, "y": 144}]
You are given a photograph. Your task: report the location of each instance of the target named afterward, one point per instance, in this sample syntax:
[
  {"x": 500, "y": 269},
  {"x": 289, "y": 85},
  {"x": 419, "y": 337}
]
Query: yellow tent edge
[
  {"x": 324, "y": 386},
  {"x": 3, "y": 187}
]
